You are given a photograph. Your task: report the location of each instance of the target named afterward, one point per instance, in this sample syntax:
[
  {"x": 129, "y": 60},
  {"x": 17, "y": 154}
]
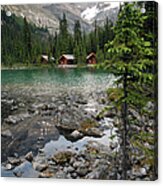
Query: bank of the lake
[{"x": 51, "y": 125}]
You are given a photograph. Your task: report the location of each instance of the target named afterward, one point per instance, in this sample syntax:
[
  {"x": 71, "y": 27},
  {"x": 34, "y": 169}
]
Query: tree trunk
[{"x": 124, "y": 132}]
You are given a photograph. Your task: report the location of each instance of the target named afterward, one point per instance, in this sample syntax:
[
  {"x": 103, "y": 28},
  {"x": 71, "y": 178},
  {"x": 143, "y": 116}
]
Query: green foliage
[
  {"x": 129, "y": 53},
  {"x": 131, "y": 59},
  {"x": 22, "y": 43}
]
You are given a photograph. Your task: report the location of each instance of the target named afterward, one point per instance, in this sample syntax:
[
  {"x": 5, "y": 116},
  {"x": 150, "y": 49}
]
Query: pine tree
[
  {"x": 77, "y": 33},
  {"x": 99, "y": 55},
  {"x": 130, "y": 54},
  {"x": 27, "y": 40},
  {"x": 63, "y": 35}
]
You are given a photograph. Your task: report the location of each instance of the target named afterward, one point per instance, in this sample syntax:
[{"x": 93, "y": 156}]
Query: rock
[
  {"x": 51, "y": 106},
  {"x": 16, "y": 155},
  {"x": 46, "y": 175},
  {"x": 13, "y": 108},
  {"x": 38, "y": 106},
  {"x": 7, "y": 133},
  {"x": 139, "y": 172},
  {"x": 113, "y": 145},
  {"x": 82, "y": 171},
  {"x": 62, "y": 157},
  {"x": 101, "y": 172},
  {"x": 60, "y": 174},
  {"x": 81, "y": 101},
  {"x": 52, "y": 163},
  {"x": 135, "y": 114},
  {"x": 96, "y": 163},
  {"x": 110, "y": 114},
  {"x": 8, "y": 166},
  {"x": 14, "y": 161},
  {"x": 72, "y": 160},
  {"x": 25, "y": 170},
  {"x": 40, "y": 166},
  {"x": 93, "y": 132},
  {"x": 77, "y": 164},
  {"x": 76, "y": 134},
  {"x": 143, "y": 171},
  {"x": 21, "y": 105},
  {"x": 12, "y": 120},
  {"x": 69, "y": 169},
  {"x": 150, "y": 106},
  {"x": 74, "y": 175},
  {"x": 68, "y": 176},
  {"x": 29, "y": 156}
]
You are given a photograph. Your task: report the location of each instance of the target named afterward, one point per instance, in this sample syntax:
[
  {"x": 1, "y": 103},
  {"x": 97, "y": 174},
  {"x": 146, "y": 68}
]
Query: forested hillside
[{"x": 23, "y": 43}]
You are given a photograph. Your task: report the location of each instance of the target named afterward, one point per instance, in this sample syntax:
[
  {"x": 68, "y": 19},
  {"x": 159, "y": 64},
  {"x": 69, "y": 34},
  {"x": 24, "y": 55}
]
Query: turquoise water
[{"x": 47, "y": 80}]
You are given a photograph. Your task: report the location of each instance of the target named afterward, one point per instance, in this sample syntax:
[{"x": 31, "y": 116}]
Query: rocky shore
[{"x": 64, "y": 136}]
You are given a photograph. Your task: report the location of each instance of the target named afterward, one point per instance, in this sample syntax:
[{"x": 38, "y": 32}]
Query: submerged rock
[{"x": 25, "y": 170}]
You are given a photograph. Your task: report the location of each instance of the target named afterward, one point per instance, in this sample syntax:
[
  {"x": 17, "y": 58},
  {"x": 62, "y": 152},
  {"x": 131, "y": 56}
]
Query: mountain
[{"x": 48, "y": 15}]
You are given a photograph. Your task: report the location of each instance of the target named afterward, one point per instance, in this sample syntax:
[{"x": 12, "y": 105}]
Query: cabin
[
  {"x": 45, "y": 59},
  {"x": 91, "y": 58},
  {"x": 66, "y": 59}
]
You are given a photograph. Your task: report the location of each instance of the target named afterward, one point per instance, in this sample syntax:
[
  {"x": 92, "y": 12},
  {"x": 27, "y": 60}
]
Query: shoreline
[{"x": 43, "y": 67}]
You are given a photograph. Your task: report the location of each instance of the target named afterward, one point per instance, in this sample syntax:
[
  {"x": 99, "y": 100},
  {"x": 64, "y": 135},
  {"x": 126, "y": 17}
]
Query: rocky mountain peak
[{"x": 48, "y": 15}]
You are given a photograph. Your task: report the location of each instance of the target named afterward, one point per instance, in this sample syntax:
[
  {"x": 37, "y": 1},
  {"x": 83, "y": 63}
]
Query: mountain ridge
[{"x": 49, "y": 15}]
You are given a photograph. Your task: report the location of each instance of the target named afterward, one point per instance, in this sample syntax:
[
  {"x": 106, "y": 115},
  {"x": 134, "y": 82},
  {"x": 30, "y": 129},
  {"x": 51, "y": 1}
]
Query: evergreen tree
[
  {"x": 130, "y": 54},
  {"x": 99, "y": 55},
  {"x": 27, "y": 40},
  {"x": 77, "y": 33},
  {"x": 63, "y": 35}
]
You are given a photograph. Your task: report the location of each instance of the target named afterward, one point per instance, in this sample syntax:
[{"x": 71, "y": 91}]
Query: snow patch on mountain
[
  {"x": 112, "y": 5},
  {"x": 91, "y": 12}
]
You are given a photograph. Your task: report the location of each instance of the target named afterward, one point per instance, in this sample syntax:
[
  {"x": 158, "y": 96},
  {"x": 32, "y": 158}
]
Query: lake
[{"x": 44, "y": 81}]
